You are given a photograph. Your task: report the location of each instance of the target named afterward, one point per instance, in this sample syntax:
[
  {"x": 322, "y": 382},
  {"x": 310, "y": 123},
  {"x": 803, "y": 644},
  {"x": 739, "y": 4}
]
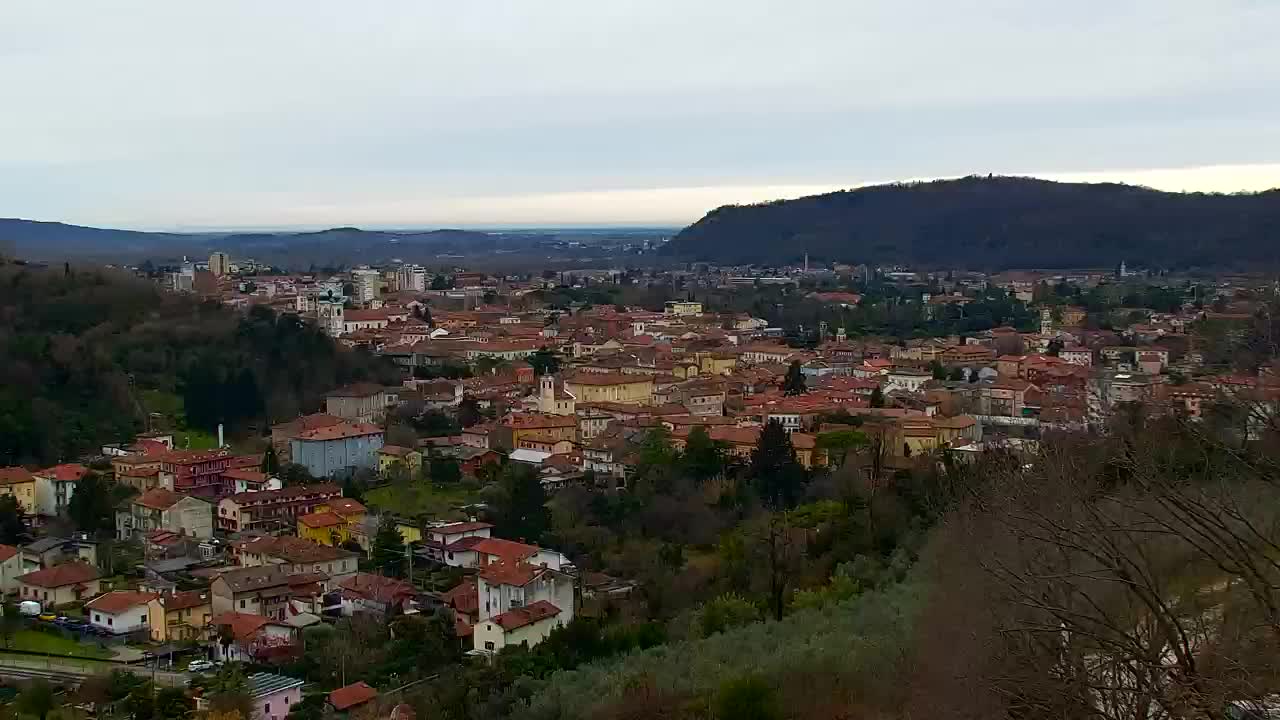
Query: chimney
[{"x": 221, "y": 444}]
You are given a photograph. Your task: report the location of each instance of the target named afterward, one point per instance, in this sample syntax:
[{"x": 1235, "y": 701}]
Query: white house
[
  {"x": 11, "y": 568},
  {"x": 119, "y": 611},
  {"x": 439, "y": 539},
  {"x": 55, "y": 486},
  {"x": 907, "y": 379},
  {"x": 519, "y": 602}
]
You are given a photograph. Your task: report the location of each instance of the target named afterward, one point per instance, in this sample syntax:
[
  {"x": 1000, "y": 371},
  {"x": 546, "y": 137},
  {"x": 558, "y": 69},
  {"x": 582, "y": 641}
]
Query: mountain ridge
[{"x": 994, "y": 222}]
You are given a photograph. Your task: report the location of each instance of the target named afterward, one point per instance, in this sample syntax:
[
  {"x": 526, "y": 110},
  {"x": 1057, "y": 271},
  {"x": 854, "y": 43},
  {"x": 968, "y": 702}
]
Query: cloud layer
[{"x": 404, "y": 112}]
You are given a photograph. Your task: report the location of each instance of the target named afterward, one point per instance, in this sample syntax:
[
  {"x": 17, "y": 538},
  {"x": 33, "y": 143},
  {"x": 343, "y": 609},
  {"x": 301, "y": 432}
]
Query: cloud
[{"x": 322, "y": 111}]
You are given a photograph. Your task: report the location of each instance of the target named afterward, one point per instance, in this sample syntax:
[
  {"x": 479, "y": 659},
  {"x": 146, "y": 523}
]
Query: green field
[
  {"x": 420, "y": 499},
  {"x": 48, "y": 643}
]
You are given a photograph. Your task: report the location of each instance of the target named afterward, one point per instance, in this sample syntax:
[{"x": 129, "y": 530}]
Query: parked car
[
  {"x": 200, "y": 666},
  {"x": 30, "y": 608},
  {"x": 47, "y": 617}
]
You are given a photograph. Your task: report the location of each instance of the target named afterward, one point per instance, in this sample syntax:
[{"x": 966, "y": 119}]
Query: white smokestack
[{"x": 221, "y": 444}]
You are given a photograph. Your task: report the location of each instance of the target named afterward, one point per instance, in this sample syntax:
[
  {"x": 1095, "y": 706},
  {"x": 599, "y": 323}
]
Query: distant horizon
[{"x": 1225, "y": 179}]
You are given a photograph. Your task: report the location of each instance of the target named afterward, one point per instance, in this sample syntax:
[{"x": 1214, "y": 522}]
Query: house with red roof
[
  {"x": 21, "y": 484},
  {"x": 60, "y": 585},
  {"x": 243, "y": 637},
  {"x": 350, "y": 697},
  {"x": 161, "y": 509},
  {"x": 120, "y": 611},
  {"x": 10, "y": 568},
  {"x": 365, "y": 592},
  {"x": 519, "y": 602},
  {"x": 55, "y": 486}
]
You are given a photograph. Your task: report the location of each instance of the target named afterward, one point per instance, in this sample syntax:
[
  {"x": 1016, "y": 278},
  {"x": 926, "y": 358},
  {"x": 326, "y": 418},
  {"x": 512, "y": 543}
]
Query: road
[{"x": 73, "y": 671}]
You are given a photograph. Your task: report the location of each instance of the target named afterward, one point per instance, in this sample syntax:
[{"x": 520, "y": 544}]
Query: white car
[{"x": 200, "y": 666}]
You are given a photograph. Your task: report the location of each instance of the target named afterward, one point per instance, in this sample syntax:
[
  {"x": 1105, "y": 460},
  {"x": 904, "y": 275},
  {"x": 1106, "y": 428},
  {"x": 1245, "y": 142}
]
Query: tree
[
  {"x": 13, "y": 525},
  {"x": 469, "y": 412},
  {"x": 445, "y": 470},
  {"x": 270, "y": 463},
  {"x": 725, "y": 612},
  {"x": 957, "y": 374},
  {"x": 877, "y": 398},
  {"x": 1055, "y": 347},
  {"x": 441, "y": 282},
  {"x": 544, "y": 362},
  {"x": 794, "y": 383},
  {"x": 522, "y": 510},
  {"x": 90, "y": 507},
  {"x": 388, "y": 548},
  {"x": 703, "y": 458},
  {"x": 937, "y": 370},
  {"x": 172, "y": 704},
  {"x": 37, "y": 699},
  {"x": 778, "y": 476},
  {"x": 294, "y": 474},
  {"x": 228, "y": 692},
  {"x": 10, "y": 623},
  {"x": 747, "y": 698}
]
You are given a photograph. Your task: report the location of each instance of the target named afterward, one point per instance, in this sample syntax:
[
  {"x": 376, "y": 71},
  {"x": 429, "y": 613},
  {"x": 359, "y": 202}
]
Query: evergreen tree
[
  {"x": 937, "y": 370},
  {"x": 445, "y": 470},
  {"x": 469, "y": 412},
  {"x": 877, "y": 398},
  {"x": 778, "y": 476},
  {"x": 703, "y": 457},
  {"x": 545, "y": 362},
  {"x": 522, "y": 512},
  {"x": 794, "y": 383},
  {"x": 270, "y": 463},
  {"x": 1055, "y": 347},
  {"x": 90, "y": 507},
  {"x": 388, "y": 548}
]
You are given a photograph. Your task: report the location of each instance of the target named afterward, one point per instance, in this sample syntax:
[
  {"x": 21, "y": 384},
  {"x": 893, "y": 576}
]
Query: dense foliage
[
  {"x": 85, "y": 355},
  {"x": 994, "y": 222}
]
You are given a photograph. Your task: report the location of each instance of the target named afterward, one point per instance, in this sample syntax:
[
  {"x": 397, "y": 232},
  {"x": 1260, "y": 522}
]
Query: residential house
[
  {"x": 179, "y": 616},
  {"x": 246, "y": 637},
  {"x": 906, "y": 380},
  {"x": 271, "y": 696},
  {"x": 1077, "y": 355},
  {"x": 362, "y": 403},
  {"x": 365, "y": 592},
  {"x": 21, "y": 484},
  {"x": 274, "y": 509},
  {"x": 324, "y": 528},
  {"x": 119, "y": 611},
  {"x": 350, "y": 697},
  {"x": 282, "y": 433},
  {"x": 966, "y": 354},
  {"x": 10, "y": 568},
  {"x": 60, "y": 585},
  {"x": 508, "y": 433},
  {"x": 194, "y": 472},
  {"x": 242, "y": 480},
  {"x": 588, "y": 387},
  {"x": 337, "y": 449},
  {"x": 55, "y": 486},
  {"x": 391, "y": 455},
  {"x": 296, "y": 555},
  {"x": 520, "y": 603},
  {"x": 267, "y": 590},
  {"x": 50, "y": 551},
  {"x": 439, "y": 538},
  {"x": 140, "y": 471},
  {"x": 161, "y": 509}
]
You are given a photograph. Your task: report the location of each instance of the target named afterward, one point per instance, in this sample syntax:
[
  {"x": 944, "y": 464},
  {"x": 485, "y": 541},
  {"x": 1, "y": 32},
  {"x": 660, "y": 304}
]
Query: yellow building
[
  {"x": 333, "y": 523},
  {"x": 179, "y": 616},
  {"x": 324, "y": 528},
  {"x": 716, "y": 363},
  {"x": 610, "y": 387},
  {"x": 21, "y": 484},
  {"x": 682, "y": 307},
  {"x": 389, "y": 455},
  {"x": 410, "y": 533}
]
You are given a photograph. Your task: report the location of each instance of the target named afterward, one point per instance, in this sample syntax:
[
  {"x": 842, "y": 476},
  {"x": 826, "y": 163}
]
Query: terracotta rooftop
[
  {"x": 72, "y": 573},
  {"x": 243, "y": 625},
  {"x": 118, "y": 601},
  {"x": 460, "y": 527},
  {"x": 359, "y": 390},
  {"x": 294, "y": 549},
  {"x": 185, "y": 600},
  {"x": 505, "y": 549},
  {"x": 14, "y": 475},
  {"x": 517, "y": 573},
  {"x": 350, "y": 696},
  {"x": 285, "y": 494},
  {"x": 66, "y": 472},
  {"x": 7, "y": 551},
  {"x": 346, "y": 506},
  {"x": 339, "y": 432},
  {"x": 318, "y": 520},
  {"x": 519, "y": 617},
  {"x": 158, "y": 499},
  {"x": 605, "y": 379}
]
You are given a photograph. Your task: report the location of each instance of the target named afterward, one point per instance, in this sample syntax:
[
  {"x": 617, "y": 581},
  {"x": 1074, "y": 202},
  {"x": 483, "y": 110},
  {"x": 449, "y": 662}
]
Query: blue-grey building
[{"x": 337, "y": 450}]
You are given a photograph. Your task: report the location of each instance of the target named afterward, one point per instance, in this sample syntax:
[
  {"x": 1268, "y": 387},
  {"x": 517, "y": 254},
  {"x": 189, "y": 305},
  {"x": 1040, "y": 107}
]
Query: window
[
  {"x": 110, "y": 622},
  {"x": 266, "y": 708},
  {"x": 488, "y": 645},
  {"x": 241, "y": 604},
  {"x": 97, "y": 617}
]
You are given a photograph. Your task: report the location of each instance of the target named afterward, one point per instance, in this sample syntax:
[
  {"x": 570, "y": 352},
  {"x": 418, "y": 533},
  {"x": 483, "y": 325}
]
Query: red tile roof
[
  {"x": 72, "y": 573},
  {"x": 460, "y": 527},
  {"x": 185, "y": 600},
  {"x": 321, "y": 520},
  {"x": 118, "y": 601},
  {"x": 346, "y": 506},
  {"x": 67, "y": 472},
  {"x": 465, "y": 597},
  {"x": 518, "y": 574},
  {"x": 377, "y": 588},
  {"x": 286, "y": 493},
  {"x": 243, "y": 625},
  {"x": 505, "y": 549},
  {"x": 158, "y": 499},
  {"x": 14, "y": 475},
  {"x": 339, "y": 432},
  {"x": 352, "y": 695},
  {"x": 7, "y": 551},
  {"x": 528, "y": 615}
]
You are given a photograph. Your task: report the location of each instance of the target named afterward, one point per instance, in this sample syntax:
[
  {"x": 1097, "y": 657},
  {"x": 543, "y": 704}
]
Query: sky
[{"x": 423, "y": 113}]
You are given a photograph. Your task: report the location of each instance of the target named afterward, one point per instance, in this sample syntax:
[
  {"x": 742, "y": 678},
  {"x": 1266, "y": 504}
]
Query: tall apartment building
[
  {"x": 220, "y": 264},
  {"x": 412, "y": 277},
  {"x": 366, "y": 284}
]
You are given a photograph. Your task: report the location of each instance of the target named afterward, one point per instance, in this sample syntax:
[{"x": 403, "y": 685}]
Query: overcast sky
[{"x": 235, "y": 113}]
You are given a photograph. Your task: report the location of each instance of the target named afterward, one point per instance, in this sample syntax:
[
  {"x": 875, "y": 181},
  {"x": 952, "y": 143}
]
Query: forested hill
[
  {"x": 993, "y": 223},
  {"x": 85, "y": 354}
]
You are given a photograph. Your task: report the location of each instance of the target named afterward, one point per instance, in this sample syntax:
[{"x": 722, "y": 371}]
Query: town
[{"x": 565, "y": 454}]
